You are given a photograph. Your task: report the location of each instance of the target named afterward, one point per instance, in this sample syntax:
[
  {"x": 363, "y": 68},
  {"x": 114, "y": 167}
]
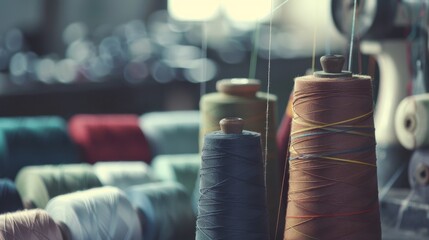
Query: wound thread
[
  {"x": 333, "y": 175},
  {"x": 232, "y": 204},
  {"x": 38, "y": 184},
  {"x": 10, "y": 200},
  {"x": 29, "y": 225},
  {"x": 96, "y": 214},
  {"x": 165, "y": 209}
]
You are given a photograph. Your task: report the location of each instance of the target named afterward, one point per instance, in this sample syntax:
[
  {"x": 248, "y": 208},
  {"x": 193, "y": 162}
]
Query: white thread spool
[
  {"x": 123, "y": 174},
  {"x": 96, "y": 214},
  {"x": 412, "y": 121}
]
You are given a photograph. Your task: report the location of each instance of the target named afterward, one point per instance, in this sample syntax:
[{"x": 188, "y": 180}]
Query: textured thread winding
[{"x": 333, "y": 180}]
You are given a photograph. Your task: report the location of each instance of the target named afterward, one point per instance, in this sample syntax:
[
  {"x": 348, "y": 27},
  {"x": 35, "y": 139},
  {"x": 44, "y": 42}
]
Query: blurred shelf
[{"x": 404, "y": 216}]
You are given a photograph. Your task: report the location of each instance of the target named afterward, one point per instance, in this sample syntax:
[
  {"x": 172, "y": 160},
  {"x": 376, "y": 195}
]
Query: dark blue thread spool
[
  {"x": 232, "y": 204},
  {"x": 10, "y": 200}
]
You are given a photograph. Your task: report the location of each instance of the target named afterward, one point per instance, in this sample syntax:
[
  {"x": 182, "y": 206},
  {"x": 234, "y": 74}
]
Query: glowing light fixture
[
  {"x": 246, "y": 10},
  {"x": 193, "y": 10}
]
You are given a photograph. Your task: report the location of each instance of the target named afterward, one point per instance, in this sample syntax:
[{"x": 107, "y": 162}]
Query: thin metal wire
[
  {"x": 267, "y": 113},
  {"x": 352, "y": 38},
  {"x": 313, "y": 61}
]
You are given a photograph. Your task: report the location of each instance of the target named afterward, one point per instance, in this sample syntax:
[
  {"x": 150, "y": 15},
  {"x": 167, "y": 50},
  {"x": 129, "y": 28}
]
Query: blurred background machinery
[{"x": 396, "y": 34}]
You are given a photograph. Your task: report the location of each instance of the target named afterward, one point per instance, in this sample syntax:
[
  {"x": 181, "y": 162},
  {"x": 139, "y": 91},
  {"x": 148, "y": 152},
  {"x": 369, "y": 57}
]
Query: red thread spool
[
  {"x": 109, "y": 138},
  {"x": 333, "y": 178}
]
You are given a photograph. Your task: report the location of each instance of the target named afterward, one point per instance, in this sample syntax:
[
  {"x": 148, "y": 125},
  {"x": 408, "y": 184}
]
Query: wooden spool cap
[
  {"x": 239, "y": 86},
  {"x": 233, "y": 125},
  {"x": 422, "y": 174},
  {"x": 332, "y": 67}
]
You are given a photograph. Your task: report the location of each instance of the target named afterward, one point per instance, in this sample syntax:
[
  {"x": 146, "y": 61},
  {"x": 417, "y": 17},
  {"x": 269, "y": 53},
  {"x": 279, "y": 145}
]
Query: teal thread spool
[
  {"x": 174, "y": 132},
  {"x": 181, "y": 168},
  {"x": 34, "y": 141},
  {"x": 165, "y": 210}
]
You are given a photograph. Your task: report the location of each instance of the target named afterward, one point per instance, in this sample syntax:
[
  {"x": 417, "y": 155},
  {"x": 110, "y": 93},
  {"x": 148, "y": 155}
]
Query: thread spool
[
  {"x": 10, "y": 201},
  {"x": 232, "y": 204},
  {"x": 34, "y": 141},
  {"x": 123, "y": 174},
  {"x": 181, "y": 168},
  {"x": 38, "y": 184},
  {"x": 109, "y": 138},
  {"x": 418, "y": 173},
  {"x": 237, "y": 128},
  {"x": 333, "y": 176},
  {"x": 165, "y": 209},
  {"x": 96, "y": 214},
  {"x": 173, "y": 132},
  {"x": 29, "y": 225},
  {"x": 412, "y": 121},
  {"x": 240, "y": 97}
]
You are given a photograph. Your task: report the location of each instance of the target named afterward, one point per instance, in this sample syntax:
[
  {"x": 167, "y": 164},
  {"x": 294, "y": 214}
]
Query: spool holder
[
  {"x": 332, "y": 67},
  {"x": 233, "y": 125}
]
